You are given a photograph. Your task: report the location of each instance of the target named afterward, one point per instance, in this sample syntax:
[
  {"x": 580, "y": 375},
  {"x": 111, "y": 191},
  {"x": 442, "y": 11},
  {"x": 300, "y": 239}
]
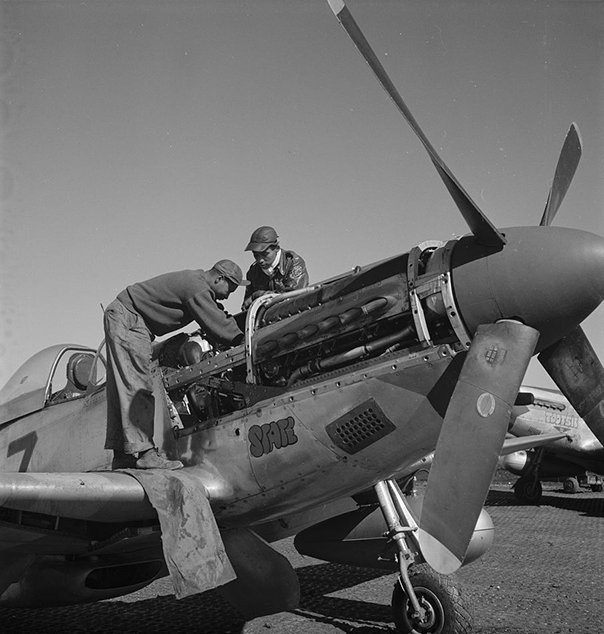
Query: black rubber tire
[
  {"x": 597, "y": 488},
  {"x": 528, "y": 490},
  {"x": 571, "y": 485},
  {"x": 440, "y": 595}
]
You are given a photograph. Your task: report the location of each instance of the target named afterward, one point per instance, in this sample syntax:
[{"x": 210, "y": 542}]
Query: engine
[{"x": 295, "y": 338}]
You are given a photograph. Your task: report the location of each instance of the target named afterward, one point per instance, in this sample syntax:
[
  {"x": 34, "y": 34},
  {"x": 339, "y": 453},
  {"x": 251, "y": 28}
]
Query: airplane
[
  {"x": 569, "y": 457},
  {"x": 310, "y": 426}
]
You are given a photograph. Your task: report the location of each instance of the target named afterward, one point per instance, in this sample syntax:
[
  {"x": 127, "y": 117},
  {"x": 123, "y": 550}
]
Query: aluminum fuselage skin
[{"x": 300, "y": 466}]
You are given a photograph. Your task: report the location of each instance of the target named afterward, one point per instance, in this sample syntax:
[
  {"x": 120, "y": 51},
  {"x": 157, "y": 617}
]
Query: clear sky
[{"x": 146, "y": 136}]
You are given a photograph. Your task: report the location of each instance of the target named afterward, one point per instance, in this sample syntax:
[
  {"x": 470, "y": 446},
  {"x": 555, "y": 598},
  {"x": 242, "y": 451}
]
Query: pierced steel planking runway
[{"x": 544, "y": 574}]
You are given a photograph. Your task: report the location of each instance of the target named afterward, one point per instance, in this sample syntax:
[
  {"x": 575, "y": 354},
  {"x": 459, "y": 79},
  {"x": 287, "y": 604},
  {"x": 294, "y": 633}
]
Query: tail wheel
[{"x": 444, "y": 609}]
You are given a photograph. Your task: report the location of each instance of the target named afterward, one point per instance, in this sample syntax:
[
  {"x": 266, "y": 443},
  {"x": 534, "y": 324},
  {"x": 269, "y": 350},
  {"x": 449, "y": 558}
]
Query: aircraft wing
[
  {"x": 72, "y": 515},
  {"x": 179, "y": 499},
  {"x": 112, "y": 517},
  {"x": 104, "y": 496},
  {"x": 512, "y": 444}
]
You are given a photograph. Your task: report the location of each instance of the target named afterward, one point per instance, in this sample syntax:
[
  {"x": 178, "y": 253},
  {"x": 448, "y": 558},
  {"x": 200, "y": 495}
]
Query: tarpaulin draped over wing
[{"x": 192, "y": 544}]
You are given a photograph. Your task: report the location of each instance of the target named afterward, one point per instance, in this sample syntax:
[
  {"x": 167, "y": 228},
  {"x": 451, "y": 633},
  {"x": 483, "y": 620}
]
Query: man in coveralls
[
  {"x": 140, "y": 313},
  {"x": 275, "y": 269}
]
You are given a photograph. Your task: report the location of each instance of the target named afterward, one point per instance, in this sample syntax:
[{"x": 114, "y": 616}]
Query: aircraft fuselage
[{"x": 337, "y": 386}]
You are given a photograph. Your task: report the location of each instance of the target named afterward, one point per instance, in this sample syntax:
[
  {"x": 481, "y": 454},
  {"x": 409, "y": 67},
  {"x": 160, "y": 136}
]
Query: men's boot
[
  {"x": 151, "y": 459},
  {"x": 123, "y": 460}
]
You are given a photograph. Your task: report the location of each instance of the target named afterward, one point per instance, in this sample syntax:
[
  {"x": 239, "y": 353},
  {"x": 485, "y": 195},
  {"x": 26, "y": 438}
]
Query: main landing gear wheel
[
  {"x": 571, "y": 485},
  {"x": 444, "y": 609},
  {"x": 528, "y": 490}
]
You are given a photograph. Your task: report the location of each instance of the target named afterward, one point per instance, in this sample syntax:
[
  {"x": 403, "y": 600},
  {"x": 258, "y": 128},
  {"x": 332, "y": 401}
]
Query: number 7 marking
[{"x": 25, "y": 444}]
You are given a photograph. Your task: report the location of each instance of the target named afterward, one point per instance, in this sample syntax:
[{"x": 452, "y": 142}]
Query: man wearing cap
[
  {"x": 140, "y": 313},
  {"x": 275, "y": 269}
]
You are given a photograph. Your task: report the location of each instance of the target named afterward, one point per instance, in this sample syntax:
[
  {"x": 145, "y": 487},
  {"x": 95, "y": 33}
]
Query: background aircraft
[
  {"x": 336, "y": 390},
  {"x": 578, "y": 452}
]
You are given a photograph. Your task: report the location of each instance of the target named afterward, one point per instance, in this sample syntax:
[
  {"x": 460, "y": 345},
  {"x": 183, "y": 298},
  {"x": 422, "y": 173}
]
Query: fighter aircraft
[
  {"x": 576, "y": 453},
  {"x": 338, "y": 391}
]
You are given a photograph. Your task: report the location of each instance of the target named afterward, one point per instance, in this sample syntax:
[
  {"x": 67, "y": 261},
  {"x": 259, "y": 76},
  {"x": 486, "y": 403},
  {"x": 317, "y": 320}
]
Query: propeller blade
[
  {"x": 570, "y": 155},
  {"x": 574, "y": 366},
  {"x": 471, "y": 440},
  {"x": 479, "y": 224}
]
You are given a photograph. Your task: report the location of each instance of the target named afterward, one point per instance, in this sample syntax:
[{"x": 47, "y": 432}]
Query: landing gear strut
[
  {"x": 528, "y": 489},
  {"x": 423, "y": 601}
]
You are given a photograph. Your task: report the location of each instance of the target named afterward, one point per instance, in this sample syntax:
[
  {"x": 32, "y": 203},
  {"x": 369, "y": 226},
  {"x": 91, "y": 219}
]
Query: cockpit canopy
[{"x": 57, "y": 374}]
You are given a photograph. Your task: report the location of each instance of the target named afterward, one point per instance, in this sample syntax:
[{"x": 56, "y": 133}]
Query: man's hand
[{"x": 255, "y": 295}]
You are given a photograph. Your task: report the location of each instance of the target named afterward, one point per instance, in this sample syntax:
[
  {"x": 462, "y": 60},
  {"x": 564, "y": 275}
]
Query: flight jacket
[{"x": 289, "y": 275}]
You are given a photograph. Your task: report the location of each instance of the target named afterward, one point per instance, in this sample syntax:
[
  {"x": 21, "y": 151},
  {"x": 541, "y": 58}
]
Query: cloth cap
[
  {"x": 231, "y": 271},
  {"x": 262, "y": 239}
]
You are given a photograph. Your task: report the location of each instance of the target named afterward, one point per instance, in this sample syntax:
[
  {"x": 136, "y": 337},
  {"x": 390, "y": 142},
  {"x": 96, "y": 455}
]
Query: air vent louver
[{"x": 360, "y": 427}]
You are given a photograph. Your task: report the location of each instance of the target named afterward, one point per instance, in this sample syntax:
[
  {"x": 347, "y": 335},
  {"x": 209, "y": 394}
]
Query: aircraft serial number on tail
[{"x": 276, "y": 434}]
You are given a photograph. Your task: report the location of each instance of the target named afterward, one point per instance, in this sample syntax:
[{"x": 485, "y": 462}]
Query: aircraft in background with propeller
[
  {"x": 575, "y": 456},
  {"x": 338, "y": 391}
]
